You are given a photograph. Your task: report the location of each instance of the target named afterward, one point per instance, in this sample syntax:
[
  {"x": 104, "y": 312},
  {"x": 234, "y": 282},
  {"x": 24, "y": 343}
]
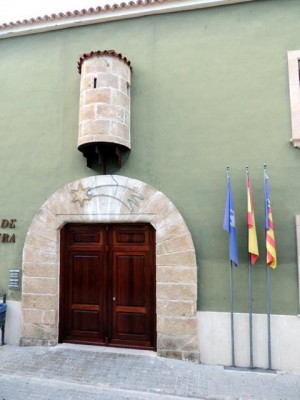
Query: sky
[{"x": 13, "y": 10}]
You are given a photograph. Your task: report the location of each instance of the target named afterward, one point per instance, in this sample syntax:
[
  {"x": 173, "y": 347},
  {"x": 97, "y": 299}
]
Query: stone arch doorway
[{"x": 112, "y": 199}]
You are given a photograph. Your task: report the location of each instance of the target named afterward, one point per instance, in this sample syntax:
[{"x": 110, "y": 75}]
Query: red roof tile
[
  {"x": 83, "y": 12},
  {"x": 101, "y": 53}
]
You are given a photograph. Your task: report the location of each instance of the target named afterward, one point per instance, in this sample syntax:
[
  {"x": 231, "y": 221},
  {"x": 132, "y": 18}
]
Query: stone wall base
[
  {"x": 215, "y": 340},
  {"x": 171, "y": 346},
  {"x": 180, "y": 355},
  {"x": 182, "y": 347},
  {"x": 37, "y": 342}
]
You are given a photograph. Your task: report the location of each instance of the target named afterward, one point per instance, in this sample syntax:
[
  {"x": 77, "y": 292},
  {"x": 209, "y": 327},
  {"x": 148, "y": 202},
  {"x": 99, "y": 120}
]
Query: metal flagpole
[
  {"x": 250, "y": 311},
  {"x": 249, "y": 288},
  {"x": 231, "y": 315},
  {"x": 229, "y": 225},
  {"x": 268, "y": 284},
  {"x": 231, "y": 290},
  {"x": 269, "y": 318}
]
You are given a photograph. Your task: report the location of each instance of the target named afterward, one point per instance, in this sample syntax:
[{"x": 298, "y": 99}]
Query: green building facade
[{"x": 210, "y": 88}]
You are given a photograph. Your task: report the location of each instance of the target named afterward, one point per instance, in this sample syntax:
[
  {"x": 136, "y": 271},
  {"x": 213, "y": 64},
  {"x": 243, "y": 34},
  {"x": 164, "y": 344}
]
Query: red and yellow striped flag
[
  {"x": 269, "y": 227},
  {"x": 252, "y": 237}
]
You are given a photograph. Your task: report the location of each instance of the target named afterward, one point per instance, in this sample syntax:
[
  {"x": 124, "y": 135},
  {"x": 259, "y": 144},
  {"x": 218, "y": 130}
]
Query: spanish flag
[
  {"x": 252, "y": 237},
  {"x": 270, "y": 237}
]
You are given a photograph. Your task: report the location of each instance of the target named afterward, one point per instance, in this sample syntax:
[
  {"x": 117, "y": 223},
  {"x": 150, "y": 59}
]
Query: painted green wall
[{"x": 209, "y": 89}]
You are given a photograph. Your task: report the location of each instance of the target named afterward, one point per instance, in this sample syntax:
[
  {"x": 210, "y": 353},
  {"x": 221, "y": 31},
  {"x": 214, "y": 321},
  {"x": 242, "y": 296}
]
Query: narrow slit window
[
  {"x": 128, "y": 89},
  {"x": 95, "y": 83}
]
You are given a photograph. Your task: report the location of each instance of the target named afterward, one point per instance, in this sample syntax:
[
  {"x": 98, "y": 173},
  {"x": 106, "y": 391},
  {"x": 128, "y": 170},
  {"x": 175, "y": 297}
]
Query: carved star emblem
[{"x": 81, "y": 195}]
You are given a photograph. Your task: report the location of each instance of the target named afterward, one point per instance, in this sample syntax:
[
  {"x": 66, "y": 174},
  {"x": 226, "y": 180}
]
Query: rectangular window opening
[{"x": 294, "y": 86}]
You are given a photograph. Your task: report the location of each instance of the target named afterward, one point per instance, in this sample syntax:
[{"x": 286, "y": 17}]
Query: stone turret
[{"x": 104, "y": 117}]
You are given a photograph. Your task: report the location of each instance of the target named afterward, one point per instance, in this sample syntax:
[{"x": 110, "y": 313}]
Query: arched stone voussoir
[
  {"x": 113, "y": 199},
  {"x": 46, "y": 217},
  {"x": 176, "y": 243},
  {"x": 38, "y": 228},
  {"x": 155, "y": 203}
]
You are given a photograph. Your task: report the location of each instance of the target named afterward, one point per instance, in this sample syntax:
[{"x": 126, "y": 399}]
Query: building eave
[{"x": 132, "y": 9}]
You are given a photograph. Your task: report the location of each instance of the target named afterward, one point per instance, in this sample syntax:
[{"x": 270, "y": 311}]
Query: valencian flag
[
  {"x": 270, "y": 238},
  {"x": 229, "y": 224},
  {"x": 252, "y": 237}
]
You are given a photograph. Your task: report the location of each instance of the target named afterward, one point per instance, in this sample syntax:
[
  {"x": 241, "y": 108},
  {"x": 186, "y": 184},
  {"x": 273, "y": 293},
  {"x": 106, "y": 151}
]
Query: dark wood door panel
[
  {"x": 129, "y": 277},
  {"x": 133, "y": 291},
  {"x": 108, "y": 285},
  {"x": 86, "y": 236},
  {"x": 86, "y": 277},
  {"x": 85, "y": 323},
  {"x": 85, "y": 286},
  {"x": 131, "y": 237},
  {"x": 129, "y": 324}
]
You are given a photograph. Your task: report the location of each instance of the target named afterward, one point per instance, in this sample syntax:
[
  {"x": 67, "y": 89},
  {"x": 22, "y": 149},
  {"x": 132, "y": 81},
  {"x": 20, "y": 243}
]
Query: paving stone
[{"x": 74, "y": 373}]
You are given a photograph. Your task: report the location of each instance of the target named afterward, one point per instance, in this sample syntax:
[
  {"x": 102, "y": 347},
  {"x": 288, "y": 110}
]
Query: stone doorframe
[{"x": 109, "y": 199}]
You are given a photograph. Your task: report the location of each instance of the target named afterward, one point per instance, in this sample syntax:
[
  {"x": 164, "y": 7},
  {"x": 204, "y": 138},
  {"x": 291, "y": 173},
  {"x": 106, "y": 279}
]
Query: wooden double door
[{"x": 107, "y": 285}]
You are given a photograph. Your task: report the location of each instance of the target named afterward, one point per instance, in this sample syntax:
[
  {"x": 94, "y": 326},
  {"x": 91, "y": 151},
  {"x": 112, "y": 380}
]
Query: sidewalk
[{"x": 73, "y": 372}]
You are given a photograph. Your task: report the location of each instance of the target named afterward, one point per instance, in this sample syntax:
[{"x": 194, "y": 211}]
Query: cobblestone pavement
[{"x": 82, "y": 372}]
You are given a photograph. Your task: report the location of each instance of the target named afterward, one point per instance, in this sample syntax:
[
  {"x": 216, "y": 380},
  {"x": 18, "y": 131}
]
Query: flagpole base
[{"x": 253, "y": 369}]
